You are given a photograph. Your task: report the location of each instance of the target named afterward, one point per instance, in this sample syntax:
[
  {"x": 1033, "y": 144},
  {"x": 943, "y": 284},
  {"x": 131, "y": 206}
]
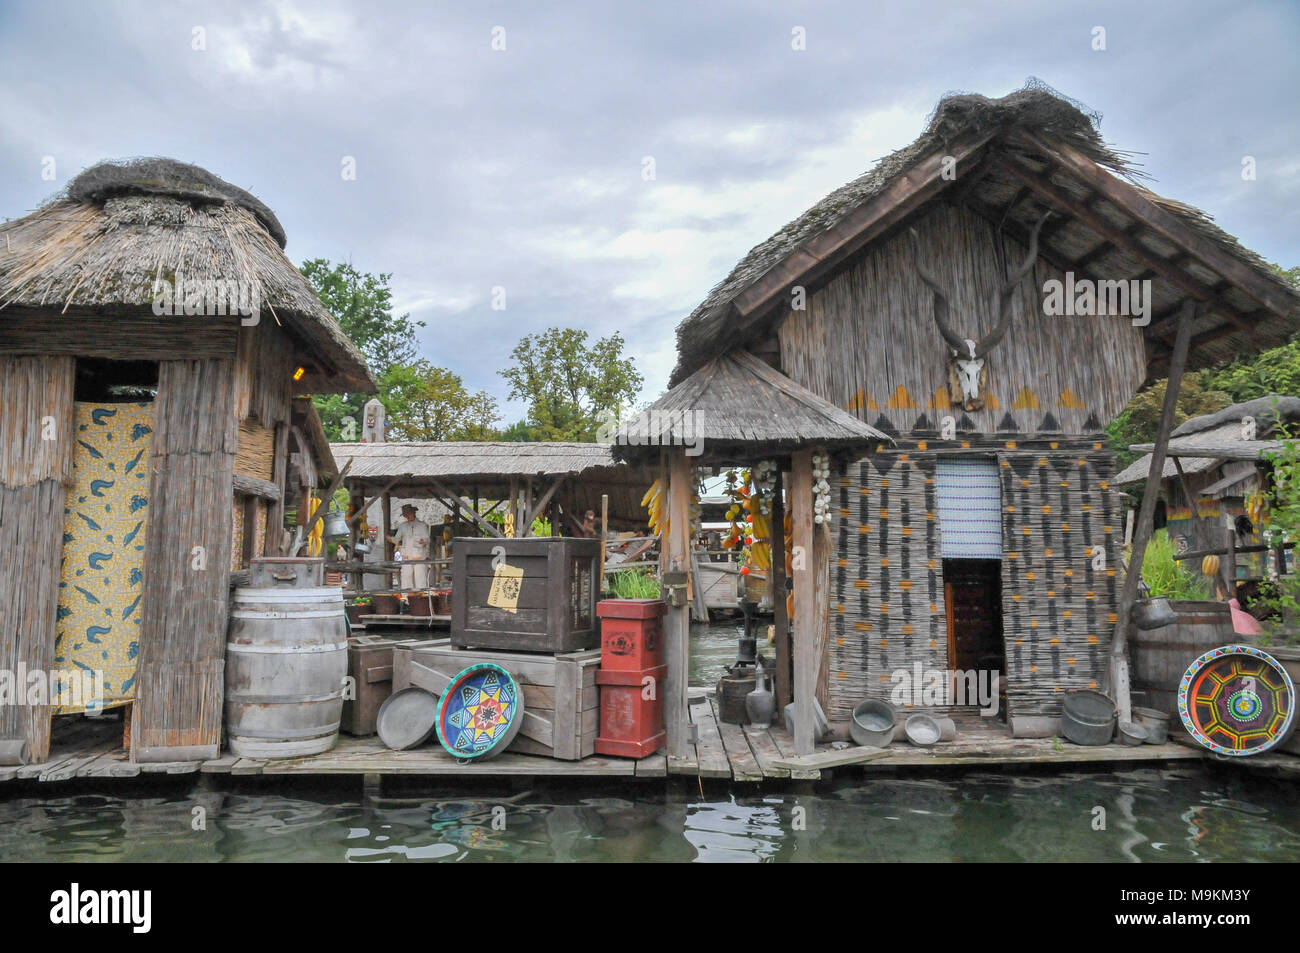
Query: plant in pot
[
  {"x": 358, "y": 607},
  {"x": 1165, "y": 580},
  {"x": 631, "y": 623}
]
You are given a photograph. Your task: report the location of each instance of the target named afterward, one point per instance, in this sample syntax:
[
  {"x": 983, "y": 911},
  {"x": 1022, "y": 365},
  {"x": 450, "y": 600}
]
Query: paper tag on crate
[{"x": 506, "y": 581}]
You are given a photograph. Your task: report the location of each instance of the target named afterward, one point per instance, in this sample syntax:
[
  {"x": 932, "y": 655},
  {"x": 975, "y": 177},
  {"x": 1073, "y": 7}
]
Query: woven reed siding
[
  {"x": 887, "y": 572},
  {"x": 256, "y": 454},
  {"x": 1058, "y": 612},
  {"x": 868, "y": 341},
  {"x": 183, "y": 633},
  {"x": 33, "y": 478},
  {"x": 264, "y": 375},
  {"x": 887, "y": 608}
]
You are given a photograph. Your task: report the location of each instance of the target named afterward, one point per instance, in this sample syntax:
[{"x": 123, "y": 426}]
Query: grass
[
  {"x": 631, "y": 584},
  {"x": 1165, "y": 577}
]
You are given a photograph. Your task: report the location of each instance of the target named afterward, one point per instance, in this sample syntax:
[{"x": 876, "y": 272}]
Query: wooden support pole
[
  {"x": 1119, "y": 672},
  {"x": 279, "y": 476},
  {"x": 677, "y": 627},
  {"x": 514, "y": 506},
  {"x": 780, "y": 620},
  {"x": 604, "y": 533},
  {"x": 540, "y": 508},
  {"x": 470, "y": 511},
  {"x": 805, "y": 601},
  {"x": 388, "y": 525}
]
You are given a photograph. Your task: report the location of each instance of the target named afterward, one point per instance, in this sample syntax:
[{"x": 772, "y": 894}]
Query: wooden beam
[
  {"x": 1120, "y": 239},
  {"x": 677, "y": 621},
  {"x": 805, "y": 601},
  {"x": 366, "y": 504},
  {"x": 464, "y": 505},
  {"x": 1119, "y": 672},
  {"x": 325, "y": 499},
  {"x": 1172, "y": 228},
  {"x": 540, "y": 507},
  {"x": 780, "y": 620},
  {"x": 252, "y": 486},
  {"x": 279, "y": 476}
]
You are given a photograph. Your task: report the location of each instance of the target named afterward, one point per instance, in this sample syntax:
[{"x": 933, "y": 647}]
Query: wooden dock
[{"x": 86, "y": 748}]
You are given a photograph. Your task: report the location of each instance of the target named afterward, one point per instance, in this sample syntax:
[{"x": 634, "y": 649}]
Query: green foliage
[
  {"x": 1167, "y": 578},
  {"x": 517, "y": 432},
  {"x": 431, "y": 403},
  {"x": 1140, "y": 420},
  {"x": 1276, "y": 371},
  {"x": 631, "y": 584},
  {"x": 541, "y": 527},
  {"x": 1282, "y": 595},
  {"x": 570, "y": 386}
]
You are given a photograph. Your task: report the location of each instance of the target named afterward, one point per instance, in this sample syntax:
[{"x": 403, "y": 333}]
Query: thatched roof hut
[
  {"x": 1221, "y": 437},
  {"x": 736, "y": 407},
  {"x": 120, "y": 232},
  {"x": 1011, "y": 155}
]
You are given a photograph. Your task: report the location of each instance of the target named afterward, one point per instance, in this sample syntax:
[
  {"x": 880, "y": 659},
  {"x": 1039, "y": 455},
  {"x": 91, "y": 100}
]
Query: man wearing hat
[{"x": 412, "y": 540}]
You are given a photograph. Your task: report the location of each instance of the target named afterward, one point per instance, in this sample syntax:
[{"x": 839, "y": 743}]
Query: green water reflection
[{"x": 1152, "y": 815}]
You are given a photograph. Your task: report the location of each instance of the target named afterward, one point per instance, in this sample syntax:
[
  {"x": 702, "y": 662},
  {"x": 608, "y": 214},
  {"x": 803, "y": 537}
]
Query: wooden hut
[
  {"x": 920, "y": 297},
  {"x": 1216, "y": 462},
  {"x": 149, "y": 307}
]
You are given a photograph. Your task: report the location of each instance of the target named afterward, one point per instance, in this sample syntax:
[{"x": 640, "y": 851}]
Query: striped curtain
[{"x": 970, "y": 509}]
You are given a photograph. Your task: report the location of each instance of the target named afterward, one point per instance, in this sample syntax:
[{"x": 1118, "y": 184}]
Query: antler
[
  {"x": 1005, "y": 296},
  {"x": 955, "y": 341}
]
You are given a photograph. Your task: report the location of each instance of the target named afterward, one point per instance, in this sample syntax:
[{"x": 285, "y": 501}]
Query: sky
[{"x": 604, "y": 164}]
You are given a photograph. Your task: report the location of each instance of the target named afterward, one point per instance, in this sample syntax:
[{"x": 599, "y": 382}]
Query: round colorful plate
[
  {"x": 1237, "y": 700},
  {"x": 480, "y": 712}
]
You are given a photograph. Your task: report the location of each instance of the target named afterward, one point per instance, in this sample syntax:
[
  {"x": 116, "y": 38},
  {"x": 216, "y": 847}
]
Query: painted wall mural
[{"x": 103, "y": 548}]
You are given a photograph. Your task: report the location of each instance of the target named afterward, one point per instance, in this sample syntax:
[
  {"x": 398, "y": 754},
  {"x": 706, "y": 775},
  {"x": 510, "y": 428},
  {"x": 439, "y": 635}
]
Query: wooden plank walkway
[{"x": 91, "y": 749}]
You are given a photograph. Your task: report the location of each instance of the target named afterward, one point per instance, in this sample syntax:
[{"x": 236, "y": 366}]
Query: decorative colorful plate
[
  {"x": 1237, "y": 700},
  {"x": 480, "y": 712}
]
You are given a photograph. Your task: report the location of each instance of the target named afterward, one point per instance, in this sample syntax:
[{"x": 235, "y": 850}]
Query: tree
[
  {"x": 362, "y": 304},
  {"x": 571, "y": 386},
  {"x": 1140, "y": 420},
  {"x": 431, "y": 403}
]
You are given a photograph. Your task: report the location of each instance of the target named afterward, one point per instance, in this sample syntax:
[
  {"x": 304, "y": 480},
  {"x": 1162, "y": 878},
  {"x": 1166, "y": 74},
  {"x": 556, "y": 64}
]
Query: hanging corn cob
[{"x": 653, "y": 502}]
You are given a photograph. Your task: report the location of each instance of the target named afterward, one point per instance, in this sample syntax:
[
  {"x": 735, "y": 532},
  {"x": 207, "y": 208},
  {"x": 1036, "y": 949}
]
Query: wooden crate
[
  {"x": 561, "y": 700},
  {"x": 552, "y": 608},
  {"x": 370, "y": 665}
]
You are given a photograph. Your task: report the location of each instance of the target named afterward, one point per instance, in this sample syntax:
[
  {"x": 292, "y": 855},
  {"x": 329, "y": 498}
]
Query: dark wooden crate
[
  {"x": 556, "y": 609},
  {"x": 370, "y": 665}
]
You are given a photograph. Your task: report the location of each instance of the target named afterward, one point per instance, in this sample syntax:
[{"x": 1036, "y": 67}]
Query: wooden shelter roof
[
  {"x": 120, "y": 228},
  {"x": 1015, "y": 158},
  {"x": 1202, "y": 443},
  {"x": 736, "y": 403},
  {"x": 489, "y": 466}
]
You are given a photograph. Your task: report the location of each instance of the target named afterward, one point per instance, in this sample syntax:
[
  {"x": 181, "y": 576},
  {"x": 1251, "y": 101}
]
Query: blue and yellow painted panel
[{"x": 98, "y": 627}]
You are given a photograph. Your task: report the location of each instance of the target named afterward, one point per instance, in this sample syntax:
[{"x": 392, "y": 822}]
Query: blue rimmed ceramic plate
[{"x": 480, "y": 712}]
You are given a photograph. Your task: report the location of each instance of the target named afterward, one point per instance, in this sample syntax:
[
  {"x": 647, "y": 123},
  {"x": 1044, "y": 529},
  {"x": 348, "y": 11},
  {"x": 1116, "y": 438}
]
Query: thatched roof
[
  {"x": 1030, "y": 150},
  {"x": 736, "y": 404},
  {"x": 487, "y": 467},
  {"x": 120, "y": 228},
  {"x": 1218, "y": 437}
]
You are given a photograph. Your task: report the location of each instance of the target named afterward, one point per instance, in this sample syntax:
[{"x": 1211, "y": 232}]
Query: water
[{"x": 1152, "y": 815}]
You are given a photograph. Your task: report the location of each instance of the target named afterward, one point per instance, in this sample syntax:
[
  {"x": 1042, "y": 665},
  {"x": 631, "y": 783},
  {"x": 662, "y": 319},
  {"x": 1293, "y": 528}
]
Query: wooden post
[
  {"x": 279, "y": 476},
  {"x": 388, "y": 525},
  {"x": 677, "y": 626},
  {"x": 1119, "y": 673},
  {"x": 604, "y": 531},
  {"x": 514, "y": 506},
  {"x": 805, "y": 600},
  {"x": 781, "y": 621}
]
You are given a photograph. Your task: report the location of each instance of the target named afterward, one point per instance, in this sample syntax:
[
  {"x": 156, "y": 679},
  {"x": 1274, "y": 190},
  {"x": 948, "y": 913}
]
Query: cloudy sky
[{"x": 525, "y": 168}]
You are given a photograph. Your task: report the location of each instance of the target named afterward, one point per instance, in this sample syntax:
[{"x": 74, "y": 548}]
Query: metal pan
[{"x": 407, "y": 718}]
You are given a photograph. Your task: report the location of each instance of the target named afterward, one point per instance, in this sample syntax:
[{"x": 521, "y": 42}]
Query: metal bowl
[
  {"x": 1132, "y": 734},
  {"x": 873, "y": 723},
  {"x": 407, "y": 718},
  {"x": 922, "y": 730}
]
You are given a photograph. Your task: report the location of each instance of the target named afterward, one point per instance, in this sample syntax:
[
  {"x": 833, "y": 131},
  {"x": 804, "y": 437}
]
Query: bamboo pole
[
  {"x": 1119, "y": 671},
  {"x": 780, "y": 619}
]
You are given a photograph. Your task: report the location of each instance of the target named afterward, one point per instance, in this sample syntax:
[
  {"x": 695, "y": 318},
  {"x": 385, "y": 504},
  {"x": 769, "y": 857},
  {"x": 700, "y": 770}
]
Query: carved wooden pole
[
  {"x": 805, "y": 602},
  {"x": 1119, "y": 674}
]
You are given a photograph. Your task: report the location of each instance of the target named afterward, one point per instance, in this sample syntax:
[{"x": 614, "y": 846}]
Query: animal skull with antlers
[{"x": 967, "y": 366}]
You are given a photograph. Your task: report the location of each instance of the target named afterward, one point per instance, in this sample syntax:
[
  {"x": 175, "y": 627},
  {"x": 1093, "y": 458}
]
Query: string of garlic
[{"x": 821, "y": 471}]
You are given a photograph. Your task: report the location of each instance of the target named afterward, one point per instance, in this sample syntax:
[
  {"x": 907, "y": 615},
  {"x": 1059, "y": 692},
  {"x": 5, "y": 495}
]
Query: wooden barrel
[
  {"x": 286, "y": 658},
  {"x": 1161, "y": 656}
]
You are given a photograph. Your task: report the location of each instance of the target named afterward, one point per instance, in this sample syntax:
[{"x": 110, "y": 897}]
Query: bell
[{"x": 336, "y": 525}]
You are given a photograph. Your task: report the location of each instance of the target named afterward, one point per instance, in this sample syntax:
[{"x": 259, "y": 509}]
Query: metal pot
[
  {"x": 1088, "y": 718},
  {"x": 336, "y": 525},
  {"x": 873, "y": 723},
  {"x": 1132, "y": 734},
  {"x": 1153, "y": 614}
]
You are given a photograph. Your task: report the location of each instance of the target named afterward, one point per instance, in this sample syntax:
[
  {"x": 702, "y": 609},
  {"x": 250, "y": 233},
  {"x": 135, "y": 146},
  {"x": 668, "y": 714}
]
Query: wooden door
[{"x": 972, "y": 590}]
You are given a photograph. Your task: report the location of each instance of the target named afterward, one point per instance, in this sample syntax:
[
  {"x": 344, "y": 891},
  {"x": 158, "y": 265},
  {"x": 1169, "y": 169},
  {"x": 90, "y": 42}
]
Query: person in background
[{"x": 412, "y": 540}]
